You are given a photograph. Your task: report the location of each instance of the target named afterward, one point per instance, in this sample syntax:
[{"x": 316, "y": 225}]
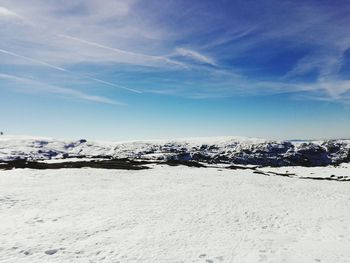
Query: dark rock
[{"x": 51, "y": 252}]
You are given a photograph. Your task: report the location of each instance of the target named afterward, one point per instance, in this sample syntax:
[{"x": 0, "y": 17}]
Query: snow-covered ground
[
  {"x": 14, "y": 146},
  {"x": 340, "y": 173},
  {"x": 172, "y": 214},
  {"x": 234, "y": 150}
]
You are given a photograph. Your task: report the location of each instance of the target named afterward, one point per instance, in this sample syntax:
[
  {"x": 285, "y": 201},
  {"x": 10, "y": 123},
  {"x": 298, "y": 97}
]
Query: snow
[
  {"x": 329, "y": 172},
  {"x": 12, "y": 147},
  {"x": 172, "y": 214},
  {"x": 234, "y": 150}
]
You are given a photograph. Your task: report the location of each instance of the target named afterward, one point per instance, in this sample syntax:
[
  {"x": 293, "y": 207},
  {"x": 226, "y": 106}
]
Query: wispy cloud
[
  {"x": 73, "y": 46},
  {"x": 123, "y": 52},
  {"x": 205, "y": 48},
  {"x": 36, "y": 61},
  {"x": 4, "y": 12},
  {"x": 194, "y": 55},
  {"x": 67, "y": 71},
  {"x": 30, "y": 85}
]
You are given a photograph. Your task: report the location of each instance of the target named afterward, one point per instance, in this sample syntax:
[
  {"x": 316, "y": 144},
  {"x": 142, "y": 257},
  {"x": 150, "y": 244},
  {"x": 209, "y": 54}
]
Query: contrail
[
  {"x": 97, "y": 44},
  {"x": 86, "y": 42},
  {"x": 40, "y": 86},
  {"x": 111, "y": 84},
  {"x": 33, "y": 60},
  {"x": 159, "y": 58},
  {"x": 67, "y": 71}
]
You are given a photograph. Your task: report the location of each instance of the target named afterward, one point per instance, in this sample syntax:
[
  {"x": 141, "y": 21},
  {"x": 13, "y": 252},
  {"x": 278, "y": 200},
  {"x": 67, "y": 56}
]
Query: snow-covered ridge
[{"x": 232, "y": 150}]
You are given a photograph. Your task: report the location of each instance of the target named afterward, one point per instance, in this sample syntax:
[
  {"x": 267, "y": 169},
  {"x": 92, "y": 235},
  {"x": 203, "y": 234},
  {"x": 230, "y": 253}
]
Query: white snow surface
[{"x": 172, "y": 214}]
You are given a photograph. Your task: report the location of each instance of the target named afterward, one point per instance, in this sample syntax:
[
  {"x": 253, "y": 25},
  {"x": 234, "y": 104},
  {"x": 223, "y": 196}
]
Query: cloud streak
[
  {"x": 4, "y": 12},
  {"x": 31, "y": 85},
  {"x": 67, "y": 71},
  {"x": 86, "y": 53},
  {"x": 35, "y": 61},
  {"x": 196, "y": 56},
  {"x": 200, "y": 46},
  {"x": 123, "y": 52}
]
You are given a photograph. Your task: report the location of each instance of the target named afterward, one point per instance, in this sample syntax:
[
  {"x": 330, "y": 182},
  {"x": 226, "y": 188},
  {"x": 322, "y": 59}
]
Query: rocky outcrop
[{"x": 262, "y": 154}]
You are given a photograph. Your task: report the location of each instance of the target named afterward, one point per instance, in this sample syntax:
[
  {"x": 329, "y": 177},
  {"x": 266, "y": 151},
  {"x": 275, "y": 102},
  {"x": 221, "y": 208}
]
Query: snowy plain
[{"x": 173, "y": 214}]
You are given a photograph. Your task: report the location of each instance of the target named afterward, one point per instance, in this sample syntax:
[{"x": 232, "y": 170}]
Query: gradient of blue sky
[{"x": 129, "y": 69}]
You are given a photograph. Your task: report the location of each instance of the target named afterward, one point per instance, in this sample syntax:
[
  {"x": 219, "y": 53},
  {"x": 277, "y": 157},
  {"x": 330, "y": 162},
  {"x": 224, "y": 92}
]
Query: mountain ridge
[{"x": 226, "y": 150}]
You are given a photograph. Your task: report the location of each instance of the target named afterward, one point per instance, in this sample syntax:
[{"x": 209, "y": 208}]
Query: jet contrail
[
  {"x": 66, "y": 71},
  {"x": 110, "y": 84},
  {"x": 86, "y": 42},
  {"x": 96, "y": 44},
  {"x": 159, "y": 58},
  {"x": 32, "y": 60},
  {"x": 40, "y": 86}
]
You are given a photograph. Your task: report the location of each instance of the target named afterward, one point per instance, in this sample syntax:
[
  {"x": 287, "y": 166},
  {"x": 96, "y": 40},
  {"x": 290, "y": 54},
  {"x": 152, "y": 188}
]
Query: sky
[{"x": 137, "y": 69}]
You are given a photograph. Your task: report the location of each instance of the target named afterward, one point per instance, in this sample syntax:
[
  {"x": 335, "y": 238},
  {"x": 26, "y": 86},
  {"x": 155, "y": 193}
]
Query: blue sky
[{"x": 128, "y": 69}]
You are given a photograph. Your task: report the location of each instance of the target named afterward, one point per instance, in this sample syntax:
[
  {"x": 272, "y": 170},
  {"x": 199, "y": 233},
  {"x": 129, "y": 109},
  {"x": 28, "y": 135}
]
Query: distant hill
[{"x": 227, "y": 150}]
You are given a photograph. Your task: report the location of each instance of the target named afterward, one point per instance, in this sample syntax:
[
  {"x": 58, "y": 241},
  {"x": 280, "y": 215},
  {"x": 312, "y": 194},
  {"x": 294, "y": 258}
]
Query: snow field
[{"x": 171, "y": 214}]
